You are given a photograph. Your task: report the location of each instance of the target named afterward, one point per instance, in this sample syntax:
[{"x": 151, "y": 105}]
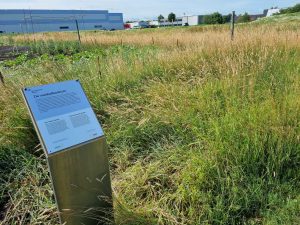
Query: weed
[{"x": 205, "y": 132}]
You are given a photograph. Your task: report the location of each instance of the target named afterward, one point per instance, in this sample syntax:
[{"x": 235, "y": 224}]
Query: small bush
[
  {"x": 215, "y": 18},
  {"x": 293, "y": 9}
]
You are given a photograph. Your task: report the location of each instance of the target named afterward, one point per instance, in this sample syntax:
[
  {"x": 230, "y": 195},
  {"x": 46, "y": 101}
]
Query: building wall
[
  {"x": 170, "y": 24},
  {"x": 28, "y": 21},
  {"x": 271, "y": 12},
  {"x": 154, "y": 23},
  {"x": 116, "y": 21},
  {"x": 192, "y": 20},
  {"x": 139, "y": 24}
]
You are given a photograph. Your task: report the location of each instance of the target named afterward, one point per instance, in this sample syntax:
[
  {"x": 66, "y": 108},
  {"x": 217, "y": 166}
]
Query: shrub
[
  {"x": 215, "y": 18},
  {"x": 293, "y": 9},
  {"x": 244, "y": 18}
]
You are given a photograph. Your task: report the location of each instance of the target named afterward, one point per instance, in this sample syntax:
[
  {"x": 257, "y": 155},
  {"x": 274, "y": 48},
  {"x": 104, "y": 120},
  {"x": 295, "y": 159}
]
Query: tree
[
  {"x": 171, "y": 17},
  {"x": 160, "y": 17},
  {"x": 227, "y": 18},
  {"x": 293, "y": 9},
  {"x": 215, "y": 18},
  {"x": 244, "y": 18}
]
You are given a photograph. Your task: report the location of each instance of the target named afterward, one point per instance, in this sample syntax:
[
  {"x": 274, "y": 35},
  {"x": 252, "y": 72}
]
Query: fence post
[
  {"x": 2, "y": 79},
  {"x": 232, "y": 25},
  {"x": 78, "y": 33},
  {"x": 99, "y": 66}
]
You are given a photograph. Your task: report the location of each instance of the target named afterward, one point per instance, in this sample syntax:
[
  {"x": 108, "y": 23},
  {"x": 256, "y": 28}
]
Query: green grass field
[
  {"x": 292, "y": 17},
  {"x": 201, "y": 130}
]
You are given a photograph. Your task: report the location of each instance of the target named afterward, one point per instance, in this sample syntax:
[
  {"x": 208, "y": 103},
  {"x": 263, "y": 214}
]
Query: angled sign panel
[{"x": 62, "y": 115}]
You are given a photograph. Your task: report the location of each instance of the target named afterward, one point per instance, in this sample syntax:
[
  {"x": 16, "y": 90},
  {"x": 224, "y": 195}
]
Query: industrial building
[
  {"x": 166, "y": 23},
  {"x": 30, "y": 21},
  {"x": 138, "y": 25},
  {"x": 192, "y": 20},
  {"x": 272, "y": 11},
  {"x": 180, "y": 21}
]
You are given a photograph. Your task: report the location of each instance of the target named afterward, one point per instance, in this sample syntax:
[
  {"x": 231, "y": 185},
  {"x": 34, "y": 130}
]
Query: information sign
[{"x": 62, "y": 114}]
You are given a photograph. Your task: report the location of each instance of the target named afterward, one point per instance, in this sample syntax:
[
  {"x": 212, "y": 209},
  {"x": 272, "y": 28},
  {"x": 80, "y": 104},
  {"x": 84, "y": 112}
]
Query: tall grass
[
  {"x": 204, "y": 132},
  {"x": 211, "y": 36}
]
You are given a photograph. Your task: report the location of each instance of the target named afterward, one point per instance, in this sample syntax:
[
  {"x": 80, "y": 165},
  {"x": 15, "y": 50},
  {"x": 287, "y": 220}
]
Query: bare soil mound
[{"x": 11, "y": 52}]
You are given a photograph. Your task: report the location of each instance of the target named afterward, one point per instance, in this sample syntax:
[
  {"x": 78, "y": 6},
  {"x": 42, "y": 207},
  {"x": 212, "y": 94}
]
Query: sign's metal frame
[{"x": 81, "y": 180}]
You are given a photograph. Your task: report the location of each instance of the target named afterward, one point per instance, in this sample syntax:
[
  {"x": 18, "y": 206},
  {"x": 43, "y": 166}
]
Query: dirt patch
[{"x": 11, "y": 52}]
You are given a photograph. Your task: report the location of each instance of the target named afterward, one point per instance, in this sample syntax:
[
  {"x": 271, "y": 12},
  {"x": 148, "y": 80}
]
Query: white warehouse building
[
  {"x": 29, "y": 21},
  {"x": 273, "y": 11},
  {"x": 192, "y": 20}
]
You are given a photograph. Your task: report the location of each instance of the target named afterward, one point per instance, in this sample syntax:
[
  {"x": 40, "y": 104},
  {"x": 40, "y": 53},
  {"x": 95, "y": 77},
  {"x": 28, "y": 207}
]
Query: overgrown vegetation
[
  {"x": 244, "y": 18},
  {"x": 202, "y": 130},
  {"x": 293, "y": 9},
  {"x": 292, "y": 19},
  {"x": 215, "y": 18}
]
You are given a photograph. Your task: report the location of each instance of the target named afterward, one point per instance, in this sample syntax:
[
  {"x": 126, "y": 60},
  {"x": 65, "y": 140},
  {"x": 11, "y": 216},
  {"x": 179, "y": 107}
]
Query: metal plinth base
[{"x": 82, "y": 185}]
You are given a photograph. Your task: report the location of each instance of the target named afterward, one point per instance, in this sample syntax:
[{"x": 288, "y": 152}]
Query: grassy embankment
[{"x": 201, "y": 130}]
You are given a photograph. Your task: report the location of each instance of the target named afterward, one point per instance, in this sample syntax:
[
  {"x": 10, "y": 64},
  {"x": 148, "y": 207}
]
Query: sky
[{"x": 150, "y": 9}]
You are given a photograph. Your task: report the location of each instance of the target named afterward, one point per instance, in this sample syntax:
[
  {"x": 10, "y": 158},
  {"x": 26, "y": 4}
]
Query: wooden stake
[
  {"x": 232, "y": 25},
  {"x": 78, "y": 33},
  {"x": 2, "y": 79},
  {"x": 99, "y": 67}
]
